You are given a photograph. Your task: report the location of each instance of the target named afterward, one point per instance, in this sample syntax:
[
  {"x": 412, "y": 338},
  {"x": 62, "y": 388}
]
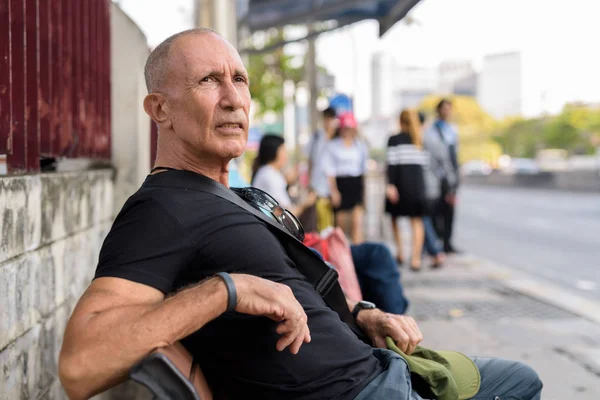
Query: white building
[
  {"x": 382, "y": 85},
  {"x": 509, "y": 85},
  {"x": 413, "y": 84},
  {"x": 452, "y": 71}
]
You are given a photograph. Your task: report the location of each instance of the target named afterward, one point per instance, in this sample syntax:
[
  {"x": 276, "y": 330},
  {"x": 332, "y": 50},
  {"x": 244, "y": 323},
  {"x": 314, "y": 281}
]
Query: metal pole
[{"x": 311, "y": 77}]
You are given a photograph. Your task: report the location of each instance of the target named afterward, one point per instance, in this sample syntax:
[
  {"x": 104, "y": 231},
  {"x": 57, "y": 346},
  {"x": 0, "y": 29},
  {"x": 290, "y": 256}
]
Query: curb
[{"x": 547, "y": 292}]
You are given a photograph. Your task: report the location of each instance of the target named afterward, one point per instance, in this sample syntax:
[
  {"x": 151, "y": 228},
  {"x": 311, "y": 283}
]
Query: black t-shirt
[{"x": 169, "y": 236}]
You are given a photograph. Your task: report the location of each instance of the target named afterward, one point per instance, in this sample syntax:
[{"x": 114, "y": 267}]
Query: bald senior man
[{"x": 156, "y": 281}]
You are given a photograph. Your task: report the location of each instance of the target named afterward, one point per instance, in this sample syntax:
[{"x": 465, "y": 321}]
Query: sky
[{"x": 560, "y": 37}]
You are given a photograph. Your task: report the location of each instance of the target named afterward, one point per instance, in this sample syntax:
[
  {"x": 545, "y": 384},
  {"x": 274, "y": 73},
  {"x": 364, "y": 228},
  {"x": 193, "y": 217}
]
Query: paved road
[{"x": 550, "y": 234}]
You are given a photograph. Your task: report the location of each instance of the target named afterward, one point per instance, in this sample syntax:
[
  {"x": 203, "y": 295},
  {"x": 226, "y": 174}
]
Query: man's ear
[{"x": 157, "y": 108}]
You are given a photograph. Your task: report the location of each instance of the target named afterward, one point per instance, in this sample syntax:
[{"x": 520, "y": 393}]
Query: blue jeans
[
  {"x": 500, "y": 380},
  {"x": 378, "y": 276},
  {"x": 431, "y": 239}
]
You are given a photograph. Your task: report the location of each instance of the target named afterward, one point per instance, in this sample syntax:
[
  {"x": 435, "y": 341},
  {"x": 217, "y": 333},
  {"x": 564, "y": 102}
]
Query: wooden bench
[{"x": 170, "y": 374}]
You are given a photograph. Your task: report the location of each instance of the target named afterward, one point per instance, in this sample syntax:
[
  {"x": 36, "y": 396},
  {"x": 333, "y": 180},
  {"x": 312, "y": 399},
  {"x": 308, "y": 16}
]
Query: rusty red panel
[
  {"x": 56, "y": 71},
  {"x": 94, "y": 69},
  {"x": 87, "y": 122},
  {"x": 32, "y": 115},
  {"x": 45, "y": 92},
  {"x": 5, "y": 75},
  {"x": 98, "y": 78},
  {"x": 76, "y": 92},
  {"x": 16, "y": 155},
  {"x": 66, "y": 111},
  {"x": 106, "y": 78},
  {"x": 54, "y": 80}
]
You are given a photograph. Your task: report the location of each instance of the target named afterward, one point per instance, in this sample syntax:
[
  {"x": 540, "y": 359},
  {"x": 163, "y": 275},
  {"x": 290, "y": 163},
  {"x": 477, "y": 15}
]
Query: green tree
[
  {"x": 520, "y": 137},
  {"x": 576, "y": 129},
  {"x": 268, "y": 71}
]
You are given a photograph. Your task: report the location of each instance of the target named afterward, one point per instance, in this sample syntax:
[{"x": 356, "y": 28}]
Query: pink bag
[{"x": 335, "y": 248}]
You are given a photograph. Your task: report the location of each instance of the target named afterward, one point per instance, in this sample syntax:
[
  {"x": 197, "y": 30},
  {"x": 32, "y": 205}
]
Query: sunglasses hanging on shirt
[{"x": 265, "y": 202}]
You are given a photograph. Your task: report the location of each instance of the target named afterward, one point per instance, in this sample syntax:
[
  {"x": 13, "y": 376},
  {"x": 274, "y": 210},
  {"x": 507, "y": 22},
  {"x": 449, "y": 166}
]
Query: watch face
[{"x": 366, "y": 305}]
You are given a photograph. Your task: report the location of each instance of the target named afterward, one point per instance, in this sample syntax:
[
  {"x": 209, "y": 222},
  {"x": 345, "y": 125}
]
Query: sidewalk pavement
[
  {"x": 478, "y": 308},
  {"x": 466, "y": 307}
]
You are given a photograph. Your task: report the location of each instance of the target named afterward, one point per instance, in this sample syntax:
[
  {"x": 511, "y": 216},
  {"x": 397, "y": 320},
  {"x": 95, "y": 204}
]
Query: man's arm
[
  {"x": 378, "y": 325},
  {"x": 118, "y": 322}
]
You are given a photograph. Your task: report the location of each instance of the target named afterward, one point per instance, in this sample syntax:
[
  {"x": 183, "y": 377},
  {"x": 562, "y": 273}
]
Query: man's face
[
  {"x": 446, "y": 111},
  {"x": 207, "y": 90}
]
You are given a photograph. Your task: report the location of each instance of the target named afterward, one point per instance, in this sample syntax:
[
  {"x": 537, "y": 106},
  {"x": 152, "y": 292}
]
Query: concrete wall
[
  {"x": 130, "y": 124},
  {"x": 52, "y": 227}
]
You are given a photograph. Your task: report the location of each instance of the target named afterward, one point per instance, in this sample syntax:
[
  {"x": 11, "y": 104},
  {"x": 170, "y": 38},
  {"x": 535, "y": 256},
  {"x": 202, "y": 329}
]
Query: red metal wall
[{"x": 54, "y": 80}]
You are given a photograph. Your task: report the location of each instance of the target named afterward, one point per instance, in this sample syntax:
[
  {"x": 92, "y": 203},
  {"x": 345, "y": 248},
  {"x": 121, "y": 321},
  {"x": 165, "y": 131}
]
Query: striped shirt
[{"x": 405, "y": 166}]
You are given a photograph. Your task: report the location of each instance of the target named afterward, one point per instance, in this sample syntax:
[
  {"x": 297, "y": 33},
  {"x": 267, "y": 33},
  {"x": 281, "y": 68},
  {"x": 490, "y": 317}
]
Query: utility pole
[
  {"x": 220, "y": 15},
  {"x": 311, "y": 78}
]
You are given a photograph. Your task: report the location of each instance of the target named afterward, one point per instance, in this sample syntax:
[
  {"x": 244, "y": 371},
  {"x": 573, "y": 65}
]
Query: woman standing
[
  {"x": 267, "y": 174},
  {"x": 346, "y": 164},
  {"x": 405, "y": 189}
]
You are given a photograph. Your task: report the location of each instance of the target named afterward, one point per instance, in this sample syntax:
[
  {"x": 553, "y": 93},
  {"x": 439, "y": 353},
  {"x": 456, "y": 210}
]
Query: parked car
[
  {"x": 476, "y": 167},
  {"x": 522, "y": 166}
]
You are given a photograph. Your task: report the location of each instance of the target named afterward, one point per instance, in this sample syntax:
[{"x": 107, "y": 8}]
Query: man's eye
[
  {"x": 207, "y": 79},
  {"x": 240, "y": 79}
]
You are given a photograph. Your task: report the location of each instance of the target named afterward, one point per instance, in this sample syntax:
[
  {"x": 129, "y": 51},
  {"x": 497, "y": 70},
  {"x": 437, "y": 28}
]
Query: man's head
[
  {"x": 199, "y": 96},
  {"x": 330, "y": 121},
  {"x": 444, "y": 109}
]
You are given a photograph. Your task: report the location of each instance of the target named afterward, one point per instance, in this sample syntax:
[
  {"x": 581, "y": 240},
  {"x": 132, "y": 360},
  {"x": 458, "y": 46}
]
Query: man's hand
[
  {"x": 258, "y": 296},
  {"x": 401, "y": 328},
  {"x": 450, "y": 199}
]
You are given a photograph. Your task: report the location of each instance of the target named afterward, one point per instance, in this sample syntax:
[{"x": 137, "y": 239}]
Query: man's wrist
[
  {"x": 218, "y": 295},
  {"x": 360, "y": 307},
  {"x": 364, "y": 317}
]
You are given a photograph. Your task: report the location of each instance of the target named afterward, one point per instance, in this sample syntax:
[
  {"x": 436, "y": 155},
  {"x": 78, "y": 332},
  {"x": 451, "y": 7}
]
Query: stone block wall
[{"x": 52, "y": 228}]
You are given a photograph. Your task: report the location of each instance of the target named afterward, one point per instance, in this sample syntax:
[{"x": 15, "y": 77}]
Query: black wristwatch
[{"x": 362, "y": 305}]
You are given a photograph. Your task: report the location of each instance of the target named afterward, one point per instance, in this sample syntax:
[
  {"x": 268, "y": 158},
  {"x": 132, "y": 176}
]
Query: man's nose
[{"x": 230, "y": 96}]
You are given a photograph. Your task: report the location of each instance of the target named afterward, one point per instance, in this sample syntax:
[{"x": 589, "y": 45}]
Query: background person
[
  {"x": 444, "y": 132},
  {"x": 316, "y": 168},
  {"x": 346, "y": 165},
  {"x": 267, "y": 173},
  {"x": 405, "y": 189},
  {"x": 432, "y": 192}
]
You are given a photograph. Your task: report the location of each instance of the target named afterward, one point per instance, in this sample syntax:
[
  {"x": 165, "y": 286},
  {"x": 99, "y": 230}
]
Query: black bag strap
[
  {"x": 438, "y": 128},
  {"x": 323, "y": 277}
]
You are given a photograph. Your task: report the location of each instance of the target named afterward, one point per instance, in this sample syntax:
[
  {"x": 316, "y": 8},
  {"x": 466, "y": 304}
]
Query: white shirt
[
  {"x": 345, "y": 161},
  {"x": 273, "y": 182}
]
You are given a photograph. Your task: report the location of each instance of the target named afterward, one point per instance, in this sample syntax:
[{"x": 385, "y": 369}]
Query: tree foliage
[
  {"x": 576, "y": 129},
  {"x": 268, "y": 71}
]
